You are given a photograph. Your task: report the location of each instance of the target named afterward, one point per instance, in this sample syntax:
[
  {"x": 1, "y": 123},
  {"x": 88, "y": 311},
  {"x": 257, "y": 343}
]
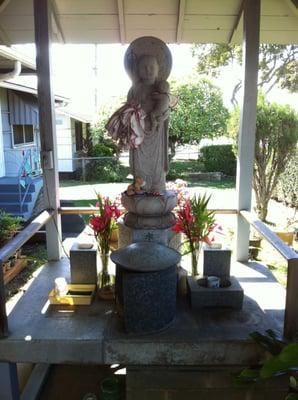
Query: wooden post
[
  {"x": 291, "y": 311},
  {"x": 9, "y": 386},
  {"x": 247, "y": 130},
  {"x": 3, "y": 315},
  {"x": 42, "y": 22}
]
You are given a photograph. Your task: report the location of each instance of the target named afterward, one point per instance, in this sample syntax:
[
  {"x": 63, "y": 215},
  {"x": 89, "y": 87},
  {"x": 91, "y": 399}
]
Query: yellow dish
[{"x": 76, "y": 295}]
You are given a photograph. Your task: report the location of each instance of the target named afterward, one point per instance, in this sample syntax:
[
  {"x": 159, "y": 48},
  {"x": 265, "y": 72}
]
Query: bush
[
  {"x": 105, "y": 149},
  {"x": 8, "y": 226},
  {"x": 219, "y": 158},
  {"x": 181, "y": 169},
  {"x": 287, "y": 186},
  {"x": 106, "y": 171}
]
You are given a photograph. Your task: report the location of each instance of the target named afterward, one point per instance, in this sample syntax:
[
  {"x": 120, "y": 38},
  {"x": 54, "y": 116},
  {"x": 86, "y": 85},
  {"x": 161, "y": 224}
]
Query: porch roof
[{"x": 174, "y": 21}]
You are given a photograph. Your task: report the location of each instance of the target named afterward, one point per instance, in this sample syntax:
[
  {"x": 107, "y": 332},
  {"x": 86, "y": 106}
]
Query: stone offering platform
[{"x": 43, "y": 333}]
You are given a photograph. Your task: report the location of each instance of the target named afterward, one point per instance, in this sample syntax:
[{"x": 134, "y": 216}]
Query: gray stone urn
[{"x": 146, "y": 285}]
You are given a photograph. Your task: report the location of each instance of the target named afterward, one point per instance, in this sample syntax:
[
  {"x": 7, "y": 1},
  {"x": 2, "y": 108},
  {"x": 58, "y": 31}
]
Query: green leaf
[
  {"x": 292, "y": 396},
  {"x": 268, "y": 342},
  {"x": 293, "y": 382},
  {"x": 289, "y": 355},
  {"x": 249, "y": 374}
]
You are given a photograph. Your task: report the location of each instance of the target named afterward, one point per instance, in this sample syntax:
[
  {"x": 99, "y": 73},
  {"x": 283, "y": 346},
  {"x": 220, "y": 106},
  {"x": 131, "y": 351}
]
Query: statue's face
[{"x": 148, "y": 69}]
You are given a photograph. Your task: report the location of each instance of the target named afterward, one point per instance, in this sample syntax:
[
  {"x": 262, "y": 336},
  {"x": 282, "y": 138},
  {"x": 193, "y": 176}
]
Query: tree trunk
[
  {"x": 172, "y": 145},
  {"x": 262, "y": 209}
]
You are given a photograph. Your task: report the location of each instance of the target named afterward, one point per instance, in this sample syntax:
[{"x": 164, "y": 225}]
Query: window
[{"x": 22, "y": 134}]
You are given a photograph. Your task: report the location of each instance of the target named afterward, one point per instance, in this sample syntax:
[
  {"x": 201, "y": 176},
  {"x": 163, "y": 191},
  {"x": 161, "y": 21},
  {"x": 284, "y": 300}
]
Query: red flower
[
  {"x": 187, "y": 212},
  {"x": 195, "y": 220},
  {"x": 102, "y": 224}
]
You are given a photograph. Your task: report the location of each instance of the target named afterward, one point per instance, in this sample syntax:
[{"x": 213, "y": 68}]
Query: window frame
[{"x": 23, "y": 144}]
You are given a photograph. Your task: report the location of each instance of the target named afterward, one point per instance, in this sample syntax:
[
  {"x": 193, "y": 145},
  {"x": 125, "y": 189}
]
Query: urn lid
[{"x": 145, "y": 257}]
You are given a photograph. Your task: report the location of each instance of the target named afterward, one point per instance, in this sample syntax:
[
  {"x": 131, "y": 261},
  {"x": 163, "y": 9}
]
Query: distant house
[
  {"x": 20, "y": 167},
  {"x": 71, "y": 129}
]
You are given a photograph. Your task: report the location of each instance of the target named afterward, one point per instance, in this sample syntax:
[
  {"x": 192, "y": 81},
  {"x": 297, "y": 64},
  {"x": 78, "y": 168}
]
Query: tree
[
  {"x": 278, "y": 64},
  {"x": 276, "y": 140},
  {"x": 199, "y": 114}
]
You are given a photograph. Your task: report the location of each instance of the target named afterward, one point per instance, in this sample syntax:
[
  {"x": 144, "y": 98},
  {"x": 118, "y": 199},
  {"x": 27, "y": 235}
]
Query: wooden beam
[
  {"x": 181, "y": 11},
  {"x": 292, "y": 7},
  {"x": 22, "y": 237},
  {"x": 3, "y": 5},
  {"x": 36, "y": 381},
  {"x": 247, "y": 130},
  {"x": 7, "y": 251},
  {"x": 57, "y": 20},
  {"x": 270, "y": 236},
  {"x": 4, "y": 38},
  {"x": 121, "y": 21},
  {"x": 92, "y": 210},
  {"x": 237, "y": 21},
  {"x": 47, "y": 125},
  {"x": 3, "y": 35}
]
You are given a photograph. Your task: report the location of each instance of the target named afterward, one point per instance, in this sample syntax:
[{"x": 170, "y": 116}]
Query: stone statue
[{"x": 142, "y": 124}]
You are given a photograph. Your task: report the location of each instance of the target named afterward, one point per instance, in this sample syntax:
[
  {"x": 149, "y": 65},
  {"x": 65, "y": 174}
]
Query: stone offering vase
[{"x": 105, "y": 281}]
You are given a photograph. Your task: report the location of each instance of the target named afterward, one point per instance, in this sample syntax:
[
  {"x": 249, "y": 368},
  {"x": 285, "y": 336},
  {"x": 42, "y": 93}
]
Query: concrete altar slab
[{"x": 94, "y": 334}]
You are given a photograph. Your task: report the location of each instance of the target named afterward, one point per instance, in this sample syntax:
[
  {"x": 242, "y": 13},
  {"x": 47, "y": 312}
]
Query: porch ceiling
[{"x": 174, "y": 21}]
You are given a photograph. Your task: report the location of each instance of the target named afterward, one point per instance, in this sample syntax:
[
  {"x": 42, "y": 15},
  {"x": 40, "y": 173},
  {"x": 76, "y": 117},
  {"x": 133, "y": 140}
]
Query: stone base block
[
  {"x": 83, "y": 267},
  {"x": 165, "y": 236},
  {"x": 224, "y": 296},
  {"x": 151, "y": 222},
  {"x": 216, "y": 262}
]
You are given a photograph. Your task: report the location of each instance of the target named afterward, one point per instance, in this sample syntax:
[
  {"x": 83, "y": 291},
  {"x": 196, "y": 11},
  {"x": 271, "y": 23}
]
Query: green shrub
[
  {"x": 106, "y": 170},
  {"x": 105, "y": 149},
  {"x": 8, "y": 226},
  {"x": 181, "y": 169},
  {"x": 287, "y": 186},
  {"x": 219, "y": 158}
]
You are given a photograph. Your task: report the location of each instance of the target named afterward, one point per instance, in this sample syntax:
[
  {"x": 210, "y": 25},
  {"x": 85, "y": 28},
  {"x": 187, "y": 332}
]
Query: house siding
[
  {"x": 65, "y": 138},
  {"x": 13, "y": 156}
]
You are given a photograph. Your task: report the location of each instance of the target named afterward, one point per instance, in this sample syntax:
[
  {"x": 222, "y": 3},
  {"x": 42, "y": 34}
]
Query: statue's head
[
  {"x": 148, "y": 69},
  {"x": 148, "y": 53}
]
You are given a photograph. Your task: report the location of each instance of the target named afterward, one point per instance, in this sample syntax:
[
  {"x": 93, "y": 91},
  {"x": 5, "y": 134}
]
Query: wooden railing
[
  {"x": 8, "y": 250},
  {"x": 291, "y": 309}
]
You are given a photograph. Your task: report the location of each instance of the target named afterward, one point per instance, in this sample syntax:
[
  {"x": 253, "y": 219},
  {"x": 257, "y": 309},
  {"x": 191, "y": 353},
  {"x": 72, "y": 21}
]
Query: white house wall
[
  {"x": 65, "y": 133},
  {"x": 11, "y": 161}
]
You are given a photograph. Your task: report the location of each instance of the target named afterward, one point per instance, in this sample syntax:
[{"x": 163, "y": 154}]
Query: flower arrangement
[
  {"x": 103, "y": 224},
  {"x": 180, "y": 188},
  {"x": 196, "y": 222}
]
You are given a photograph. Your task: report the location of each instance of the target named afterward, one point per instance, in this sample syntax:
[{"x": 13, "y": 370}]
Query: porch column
[
  {"x": 9, "y": 386},
  {"x": 247, "y": 130},
  {"x": 47, "y": 126}
]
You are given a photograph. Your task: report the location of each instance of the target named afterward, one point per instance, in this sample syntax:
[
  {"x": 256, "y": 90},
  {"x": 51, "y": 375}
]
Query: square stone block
[
  {"x": 150, "y": 235},
  {"x": 216, "y": 262},
  {"x": 202, "y": 296},
  {"x": 83, "y": 265}
]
